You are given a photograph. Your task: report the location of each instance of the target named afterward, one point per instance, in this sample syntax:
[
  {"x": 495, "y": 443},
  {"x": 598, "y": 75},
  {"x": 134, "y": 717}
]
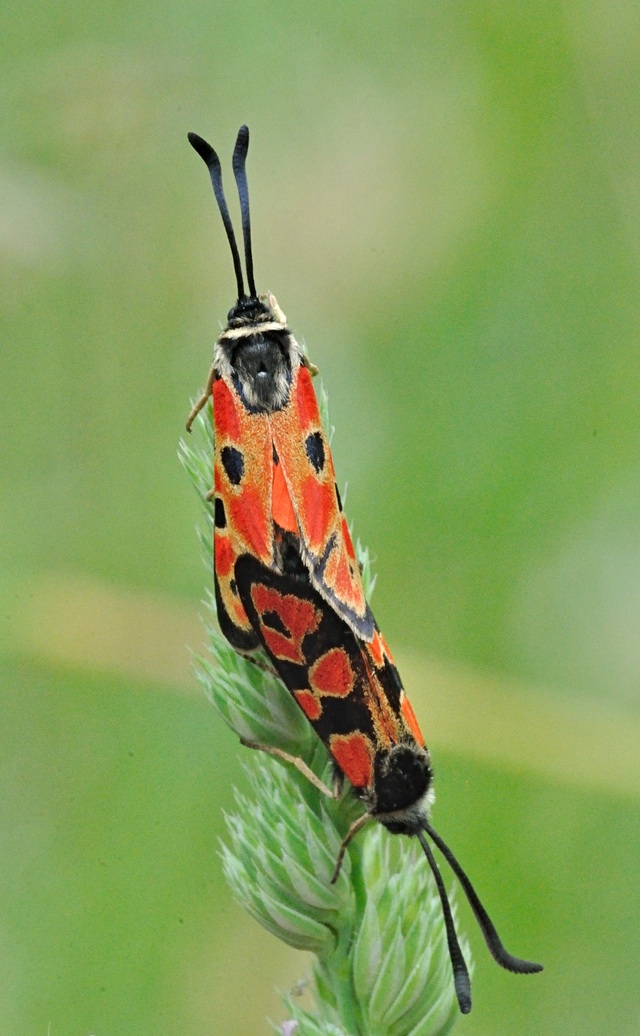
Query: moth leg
[
  {"x": 210, "y": 495},
  {"x": 311, "y": 367},
  {"x": 295, "y": 760},
  {"x": 203, "y": 400},
  {"x": 353, "y": 830},
  {"x": 264, "y": 665}
]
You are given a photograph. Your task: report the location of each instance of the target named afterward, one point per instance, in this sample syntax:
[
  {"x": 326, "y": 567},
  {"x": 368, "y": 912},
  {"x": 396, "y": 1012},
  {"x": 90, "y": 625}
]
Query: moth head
[
  {"x": 262, "y": 313},
  {"x": 248, "y": 312},
  {"x": 402, "y": 792}
]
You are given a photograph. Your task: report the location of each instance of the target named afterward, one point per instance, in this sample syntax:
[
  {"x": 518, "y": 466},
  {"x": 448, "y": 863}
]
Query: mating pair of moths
[{"x": 287, "y": 580}]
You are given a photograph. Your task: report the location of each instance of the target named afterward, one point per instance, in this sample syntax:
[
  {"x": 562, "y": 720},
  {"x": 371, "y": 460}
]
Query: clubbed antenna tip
[
  {"x": 209, "y": 156},
  {"x": 205, "y": 150}
]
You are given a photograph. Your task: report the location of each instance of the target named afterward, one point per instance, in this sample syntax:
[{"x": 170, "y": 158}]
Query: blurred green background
[{"x": 446, "y": 202}]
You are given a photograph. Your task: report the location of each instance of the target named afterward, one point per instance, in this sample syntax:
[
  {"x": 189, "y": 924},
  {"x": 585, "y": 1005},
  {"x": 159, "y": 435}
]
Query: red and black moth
[{"x": 287, "y": 581}]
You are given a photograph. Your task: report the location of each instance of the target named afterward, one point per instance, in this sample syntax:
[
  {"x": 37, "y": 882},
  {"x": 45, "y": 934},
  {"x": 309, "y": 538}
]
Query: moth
[{"x": 287, "y": 580}]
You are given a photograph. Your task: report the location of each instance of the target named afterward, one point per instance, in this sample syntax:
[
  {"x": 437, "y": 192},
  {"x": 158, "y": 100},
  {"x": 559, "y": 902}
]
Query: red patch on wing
[
  {"x": 298, "y": 616},
  {"x": 337, "y": 573},
  {"x": 281, "y": 505},
  {"x": 306, "y": 399},
  {"x": 346, "y": 535},
  {"x": 225, "y": 411},
  {"x": 280, "y": 646},
  {"x": 224, "y": 556},
  {"x": 239, "y": 613},
  {"x": 319, "y": 504},
  {"x": 385, "y": 648},
  {"x": 309, "y": 704},
  {"x": 332, "y": 674},
  {"x": 375, "y": 649},
  {"x": 247, "y": 516},
  {"x": 354, "y": 755},
  {"x": 410, "y": 716}
]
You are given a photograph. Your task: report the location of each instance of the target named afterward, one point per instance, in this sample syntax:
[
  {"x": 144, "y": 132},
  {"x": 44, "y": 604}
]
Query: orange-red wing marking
[
  {"x": 333, "y": 674},
  {"x": 307, "y": 469},
  {"x": 309, "y": 704},
  {"x": 354, "y": 755},
  {"x": 410, "y": 716},
  {"x": 285, "y": 620},
  {"x": 281, "y": 507}
]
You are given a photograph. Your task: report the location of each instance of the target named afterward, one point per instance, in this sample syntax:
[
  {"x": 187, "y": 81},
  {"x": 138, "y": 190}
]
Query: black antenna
[
  {"x": 461, "y": 979},
  {"x": 491, "y": 937},
  {"x": 212, "y": 161},
  {"x": 240, "y": 173}
]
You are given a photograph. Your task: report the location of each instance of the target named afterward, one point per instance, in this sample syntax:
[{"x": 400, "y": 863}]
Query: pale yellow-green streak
[{"x": 85, "y": 625}]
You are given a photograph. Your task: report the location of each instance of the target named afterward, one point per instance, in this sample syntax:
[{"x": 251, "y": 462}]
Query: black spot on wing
[
  {"x": 276, "y": 459},
  {"x": 274, "y": 622},
  {"x": 314, "y": 447},
  {"x": 338, "y": 499},
  {"x": 233, "y": 464},
  {"x": 220, "y": 516}
]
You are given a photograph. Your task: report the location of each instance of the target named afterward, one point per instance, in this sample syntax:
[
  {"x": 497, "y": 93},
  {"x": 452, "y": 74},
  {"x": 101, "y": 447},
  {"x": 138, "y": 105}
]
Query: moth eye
[
  {"x": 220, "y": 516},
  {"x": 233, "y": 464},
  {"x": 314, "y": 447}
]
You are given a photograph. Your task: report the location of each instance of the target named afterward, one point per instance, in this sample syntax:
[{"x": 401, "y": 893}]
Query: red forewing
[{"x": 307, "y": 472}]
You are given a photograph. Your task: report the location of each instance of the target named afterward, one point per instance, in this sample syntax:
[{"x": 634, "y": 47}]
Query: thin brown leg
[
  {"x": 295, "y": 761},
  {"x": 353, "y": 830},
  {"x": 263, "y": 665},
  {"x": 202, "y": 402}
]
